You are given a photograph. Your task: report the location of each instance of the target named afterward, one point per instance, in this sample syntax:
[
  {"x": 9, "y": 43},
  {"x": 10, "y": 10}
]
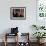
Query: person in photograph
[
  {"x": 15, "y": 13},
  {"x": 21, "y": 12},
  {"x": 18, "y": 13}
]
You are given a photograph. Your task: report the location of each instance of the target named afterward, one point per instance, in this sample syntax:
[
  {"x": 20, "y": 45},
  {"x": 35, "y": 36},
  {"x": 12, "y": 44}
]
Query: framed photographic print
[{"x": 18, "y": 13}]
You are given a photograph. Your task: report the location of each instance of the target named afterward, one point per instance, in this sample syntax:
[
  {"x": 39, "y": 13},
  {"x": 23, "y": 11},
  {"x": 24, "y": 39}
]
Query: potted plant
[
  {"x": 38, "y": 27},
  {"x": 39, "y": 35}
]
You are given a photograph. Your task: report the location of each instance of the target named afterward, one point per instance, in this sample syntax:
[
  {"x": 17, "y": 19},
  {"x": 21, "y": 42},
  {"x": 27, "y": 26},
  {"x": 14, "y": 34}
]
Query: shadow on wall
[{"x": 7, "y": 31}]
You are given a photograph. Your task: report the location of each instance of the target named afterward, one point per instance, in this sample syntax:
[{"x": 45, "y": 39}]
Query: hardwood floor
[{"x": 13, "y": 44}]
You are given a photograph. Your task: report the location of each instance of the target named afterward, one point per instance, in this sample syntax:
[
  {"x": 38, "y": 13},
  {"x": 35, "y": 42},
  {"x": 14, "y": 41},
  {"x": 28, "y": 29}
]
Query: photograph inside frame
[{"x": 18, "y": 12}]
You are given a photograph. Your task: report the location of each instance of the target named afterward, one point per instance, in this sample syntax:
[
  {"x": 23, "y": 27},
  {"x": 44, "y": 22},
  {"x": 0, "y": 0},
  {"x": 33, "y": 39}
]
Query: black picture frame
[{"x": 18, "y": 13}]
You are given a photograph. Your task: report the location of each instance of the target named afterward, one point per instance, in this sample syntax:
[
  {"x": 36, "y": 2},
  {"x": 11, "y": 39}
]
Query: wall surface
[{"x": 24, "y": 25}]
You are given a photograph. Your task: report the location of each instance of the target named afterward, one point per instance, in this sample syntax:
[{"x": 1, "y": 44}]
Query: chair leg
[
  {"x": 5, "y": 43},
  {"x": 5, "y": 40}
]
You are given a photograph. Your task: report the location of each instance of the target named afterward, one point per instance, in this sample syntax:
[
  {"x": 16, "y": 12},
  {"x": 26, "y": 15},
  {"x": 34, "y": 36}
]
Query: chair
[
  {"x": 14, "y": 32},
  {"x": 7, "y": 35}
]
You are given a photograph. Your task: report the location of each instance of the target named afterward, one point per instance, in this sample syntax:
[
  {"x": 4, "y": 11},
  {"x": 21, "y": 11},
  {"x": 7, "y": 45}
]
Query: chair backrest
[{"x": 14, "y": 30}]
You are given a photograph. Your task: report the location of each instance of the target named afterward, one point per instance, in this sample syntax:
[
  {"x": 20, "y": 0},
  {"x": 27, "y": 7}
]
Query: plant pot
[{"x": 40, "y": 41}]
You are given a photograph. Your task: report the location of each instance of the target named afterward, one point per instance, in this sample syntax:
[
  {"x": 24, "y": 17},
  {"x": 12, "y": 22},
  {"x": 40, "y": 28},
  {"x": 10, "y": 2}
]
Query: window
[{"x": 41, "y": 8}]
